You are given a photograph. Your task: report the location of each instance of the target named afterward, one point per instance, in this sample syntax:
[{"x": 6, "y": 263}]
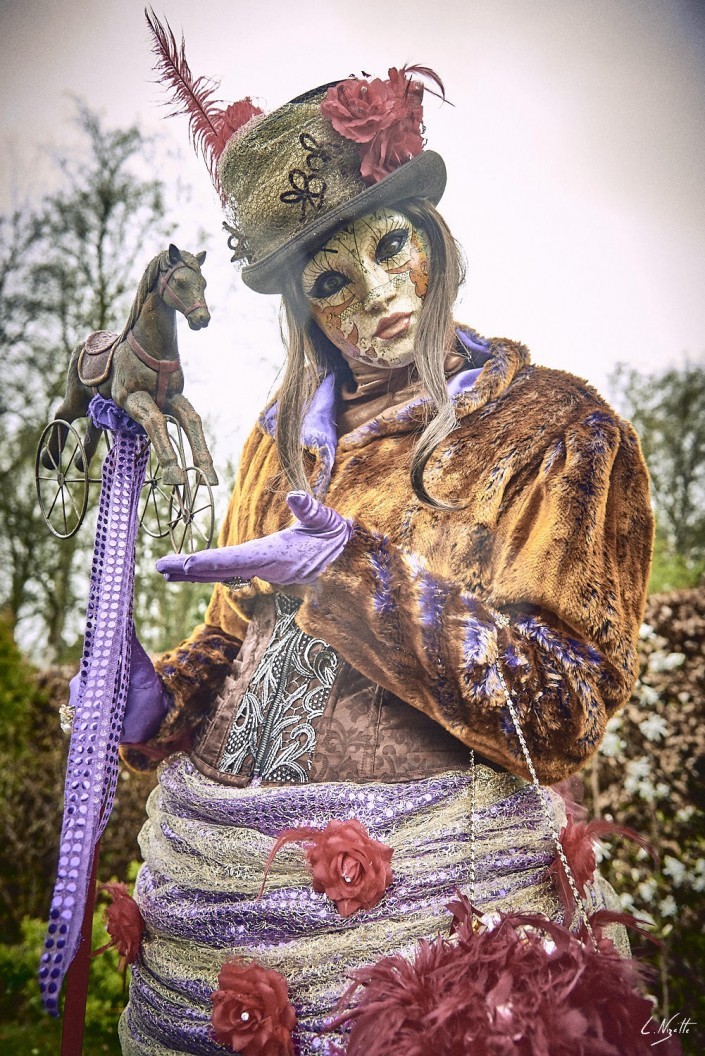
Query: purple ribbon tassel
[{"x": 92, "y": 766}]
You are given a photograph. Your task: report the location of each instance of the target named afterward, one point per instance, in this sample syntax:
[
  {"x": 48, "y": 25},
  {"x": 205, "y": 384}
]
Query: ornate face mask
[{"x": 366, "y": 287}]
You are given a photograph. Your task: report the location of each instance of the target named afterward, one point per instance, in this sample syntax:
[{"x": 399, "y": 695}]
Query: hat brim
[{"x": 422, "y": 177}]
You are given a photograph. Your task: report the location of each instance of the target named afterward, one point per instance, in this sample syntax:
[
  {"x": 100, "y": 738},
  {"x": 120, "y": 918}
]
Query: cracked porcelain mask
[{"x": 365, "y": 288}]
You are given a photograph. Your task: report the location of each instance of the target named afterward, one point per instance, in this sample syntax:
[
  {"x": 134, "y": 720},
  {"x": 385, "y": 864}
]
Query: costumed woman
[{"x": 431, "y": 542}]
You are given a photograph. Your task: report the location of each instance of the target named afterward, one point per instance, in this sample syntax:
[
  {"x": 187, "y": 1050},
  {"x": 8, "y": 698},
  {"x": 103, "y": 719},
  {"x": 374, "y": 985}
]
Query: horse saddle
[{"x": 96, "y": 357}]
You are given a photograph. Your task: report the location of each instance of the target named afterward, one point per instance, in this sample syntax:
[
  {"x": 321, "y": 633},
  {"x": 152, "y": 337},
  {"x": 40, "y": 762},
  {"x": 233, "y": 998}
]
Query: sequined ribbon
[{"x": 92, "y": 766}]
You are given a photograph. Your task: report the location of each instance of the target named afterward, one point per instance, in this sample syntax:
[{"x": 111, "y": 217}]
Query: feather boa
[{"x": 518, "y": 985}]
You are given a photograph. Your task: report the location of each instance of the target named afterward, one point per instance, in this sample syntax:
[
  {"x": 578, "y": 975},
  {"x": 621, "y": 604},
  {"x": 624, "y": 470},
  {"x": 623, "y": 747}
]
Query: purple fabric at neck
[
  {"x": 318, "y": 430},
  {"x": 92, "y": 767}
]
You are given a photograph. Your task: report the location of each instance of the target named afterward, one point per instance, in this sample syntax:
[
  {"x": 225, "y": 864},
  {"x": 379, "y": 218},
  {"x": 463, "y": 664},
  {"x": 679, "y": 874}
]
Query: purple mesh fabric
[
  {"x": 191, "y": 921},
  {"x": 92, "y": 766}
]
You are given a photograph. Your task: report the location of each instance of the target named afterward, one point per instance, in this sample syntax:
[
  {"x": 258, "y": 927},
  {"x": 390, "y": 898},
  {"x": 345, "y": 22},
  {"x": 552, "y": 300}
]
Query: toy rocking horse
[{"x": 140, "y": 369}]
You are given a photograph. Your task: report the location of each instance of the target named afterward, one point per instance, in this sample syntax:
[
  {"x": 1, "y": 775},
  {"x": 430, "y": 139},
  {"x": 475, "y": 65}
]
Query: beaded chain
[
  {"x": 541, "y": 792},
  {"x": 92, "y": 766}
]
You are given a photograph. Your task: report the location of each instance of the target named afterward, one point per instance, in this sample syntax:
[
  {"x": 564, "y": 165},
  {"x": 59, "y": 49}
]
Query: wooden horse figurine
[{"x": 140, "y": 369}]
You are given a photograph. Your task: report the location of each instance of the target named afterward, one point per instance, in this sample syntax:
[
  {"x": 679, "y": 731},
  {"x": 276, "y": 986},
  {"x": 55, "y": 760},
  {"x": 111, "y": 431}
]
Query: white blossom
[
  {"x": 667, "y": 906},
  {"x": 654, "y": 727},
  {"x": 638, "y": 772},
  {"x": 675, "y": 869},
  {"x": 684, "y": 814},
  {"x": 647, "y": 889},
  {"x": 662, "y": 790},
  {"x": 646, "y": 631},
  {"x": 627, "y": 902},
  {"x": 662, "y": 661},
  {"x": 698, "y": 881},
  {"x": 646, "y": 694},
  {"x": 612, "y": 745}
]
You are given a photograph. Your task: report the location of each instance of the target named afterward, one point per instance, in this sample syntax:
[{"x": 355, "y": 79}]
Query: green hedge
[{"x": 25, "y": 1027}]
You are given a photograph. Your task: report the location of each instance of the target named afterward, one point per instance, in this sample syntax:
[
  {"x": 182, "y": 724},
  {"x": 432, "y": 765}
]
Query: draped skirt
[{"x": 205, "y": 846}]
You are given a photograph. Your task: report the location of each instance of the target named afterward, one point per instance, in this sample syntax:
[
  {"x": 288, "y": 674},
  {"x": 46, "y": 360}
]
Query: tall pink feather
[{"x": 210, "y": 125}]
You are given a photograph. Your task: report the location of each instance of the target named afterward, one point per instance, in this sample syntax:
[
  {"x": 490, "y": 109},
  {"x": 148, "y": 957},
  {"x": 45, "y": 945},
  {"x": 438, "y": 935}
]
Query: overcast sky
[{"x": 575, "y": 150}]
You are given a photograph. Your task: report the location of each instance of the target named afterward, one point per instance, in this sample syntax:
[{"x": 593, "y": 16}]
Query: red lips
[{"x": 392, "y": 325}]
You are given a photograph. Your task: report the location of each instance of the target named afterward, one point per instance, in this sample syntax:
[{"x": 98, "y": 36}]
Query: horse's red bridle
[
  {"x": 163, "y": 367},
  {"x": 164, "y": 286}
]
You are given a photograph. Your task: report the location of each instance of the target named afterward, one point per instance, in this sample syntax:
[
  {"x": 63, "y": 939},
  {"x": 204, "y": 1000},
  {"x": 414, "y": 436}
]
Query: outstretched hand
[{"x": 294, "y": 555}]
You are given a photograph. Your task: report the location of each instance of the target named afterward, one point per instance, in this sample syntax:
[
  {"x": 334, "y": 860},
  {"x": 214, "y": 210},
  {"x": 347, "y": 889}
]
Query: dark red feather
[
  {"x": 577, "y": 841},
  {"x": 429, "y": 75},
  {"x": 290, "y": 836},
  {"x": 210, "y": 125}
]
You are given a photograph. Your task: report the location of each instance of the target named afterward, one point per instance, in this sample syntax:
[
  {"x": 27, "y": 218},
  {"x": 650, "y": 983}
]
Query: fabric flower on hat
[
  {"x": 350, "y": 867},
  {"x": 384, "y": 117},
  {"x": 251, "y": 1010},
  {"x": 359, "y": 109},
  {"x": 389, "y": 149}
]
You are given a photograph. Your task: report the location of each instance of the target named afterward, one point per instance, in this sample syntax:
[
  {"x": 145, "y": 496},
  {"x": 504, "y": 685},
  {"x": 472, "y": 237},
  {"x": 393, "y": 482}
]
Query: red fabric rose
[
  {"x": 348, "y": 865},
  {"x": 251, "y": 1010},
  {"x": 358, "y": 109},
  {"x": 123, "y": 922},
  {"x": 384, "y": 117},
  {"x": 389, "y": 149}
]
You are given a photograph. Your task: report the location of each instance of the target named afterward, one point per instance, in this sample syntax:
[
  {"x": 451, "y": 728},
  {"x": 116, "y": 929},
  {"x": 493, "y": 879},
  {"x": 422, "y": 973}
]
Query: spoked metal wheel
[
  {"x": 62, "y": 487},
  {"x": 191, "y": 514},
  {"x": 155, "y": 501}
]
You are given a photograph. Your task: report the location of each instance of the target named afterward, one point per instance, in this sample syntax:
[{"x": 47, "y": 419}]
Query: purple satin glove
[
  {"x": 294, "y": 555},
  {"x": 147, "y": 699}
]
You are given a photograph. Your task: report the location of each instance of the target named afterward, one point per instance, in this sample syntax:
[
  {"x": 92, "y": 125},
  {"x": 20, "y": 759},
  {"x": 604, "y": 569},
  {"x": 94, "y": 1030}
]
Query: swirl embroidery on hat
[{"x": 308, "y": 188}]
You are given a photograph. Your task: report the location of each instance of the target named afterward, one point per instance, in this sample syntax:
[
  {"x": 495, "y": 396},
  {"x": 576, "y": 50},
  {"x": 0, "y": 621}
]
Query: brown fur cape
[{"x": 553, "y": 529}]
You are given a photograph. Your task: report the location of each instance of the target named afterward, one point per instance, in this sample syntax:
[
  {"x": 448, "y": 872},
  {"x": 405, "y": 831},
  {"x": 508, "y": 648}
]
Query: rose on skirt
[
  {"x": 251, "y": 1010},
  {"x": 123, "y": 923},
  {"x": 350, "y": 867}
]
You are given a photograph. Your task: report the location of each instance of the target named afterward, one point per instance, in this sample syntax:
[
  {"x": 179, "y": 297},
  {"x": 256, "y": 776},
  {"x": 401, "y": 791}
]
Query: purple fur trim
[
  {"x": 381, "y": 561},
  {"x": 569, "y": 652},
  {"x": 555, "y": 452},
  {"x": 478, "y": 637},
  {"x": 432, "y": 597}
]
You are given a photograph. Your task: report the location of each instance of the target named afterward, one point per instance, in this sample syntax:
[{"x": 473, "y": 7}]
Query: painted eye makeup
[
  {"x": 391, "y": 244},
  {"x": 328, "y": 284}
]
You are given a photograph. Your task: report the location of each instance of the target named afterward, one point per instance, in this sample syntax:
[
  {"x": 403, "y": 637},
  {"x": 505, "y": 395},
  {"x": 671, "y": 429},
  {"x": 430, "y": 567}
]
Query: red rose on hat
[
  {"x": 251, "y": 1010},
  {"x": 389, "y": 149},
  {"x": 358, "y": 109}
]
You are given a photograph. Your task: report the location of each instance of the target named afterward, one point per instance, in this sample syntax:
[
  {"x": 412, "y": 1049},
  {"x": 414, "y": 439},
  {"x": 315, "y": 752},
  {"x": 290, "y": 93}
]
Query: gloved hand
[
  {"x": 294, "y": 555},
  {"x": 147, "y": 699}
]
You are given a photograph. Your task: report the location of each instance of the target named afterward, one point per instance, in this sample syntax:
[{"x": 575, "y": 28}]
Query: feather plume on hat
[{"x": 210, "y": 124}]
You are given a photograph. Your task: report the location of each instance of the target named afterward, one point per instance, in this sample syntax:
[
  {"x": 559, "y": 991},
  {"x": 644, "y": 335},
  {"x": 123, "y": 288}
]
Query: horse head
[{"x": 182, "y": 285}]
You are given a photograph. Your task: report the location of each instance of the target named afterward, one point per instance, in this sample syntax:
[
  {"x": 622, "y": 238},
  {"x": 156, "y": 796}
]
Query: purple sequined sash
[{"x": 92, "y": 767}]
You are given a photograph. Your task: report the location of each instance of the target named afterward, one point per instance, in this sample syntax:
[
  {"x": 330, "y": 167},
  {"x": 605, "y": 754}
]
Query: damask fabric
[{"x": 205, "y": 846}]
